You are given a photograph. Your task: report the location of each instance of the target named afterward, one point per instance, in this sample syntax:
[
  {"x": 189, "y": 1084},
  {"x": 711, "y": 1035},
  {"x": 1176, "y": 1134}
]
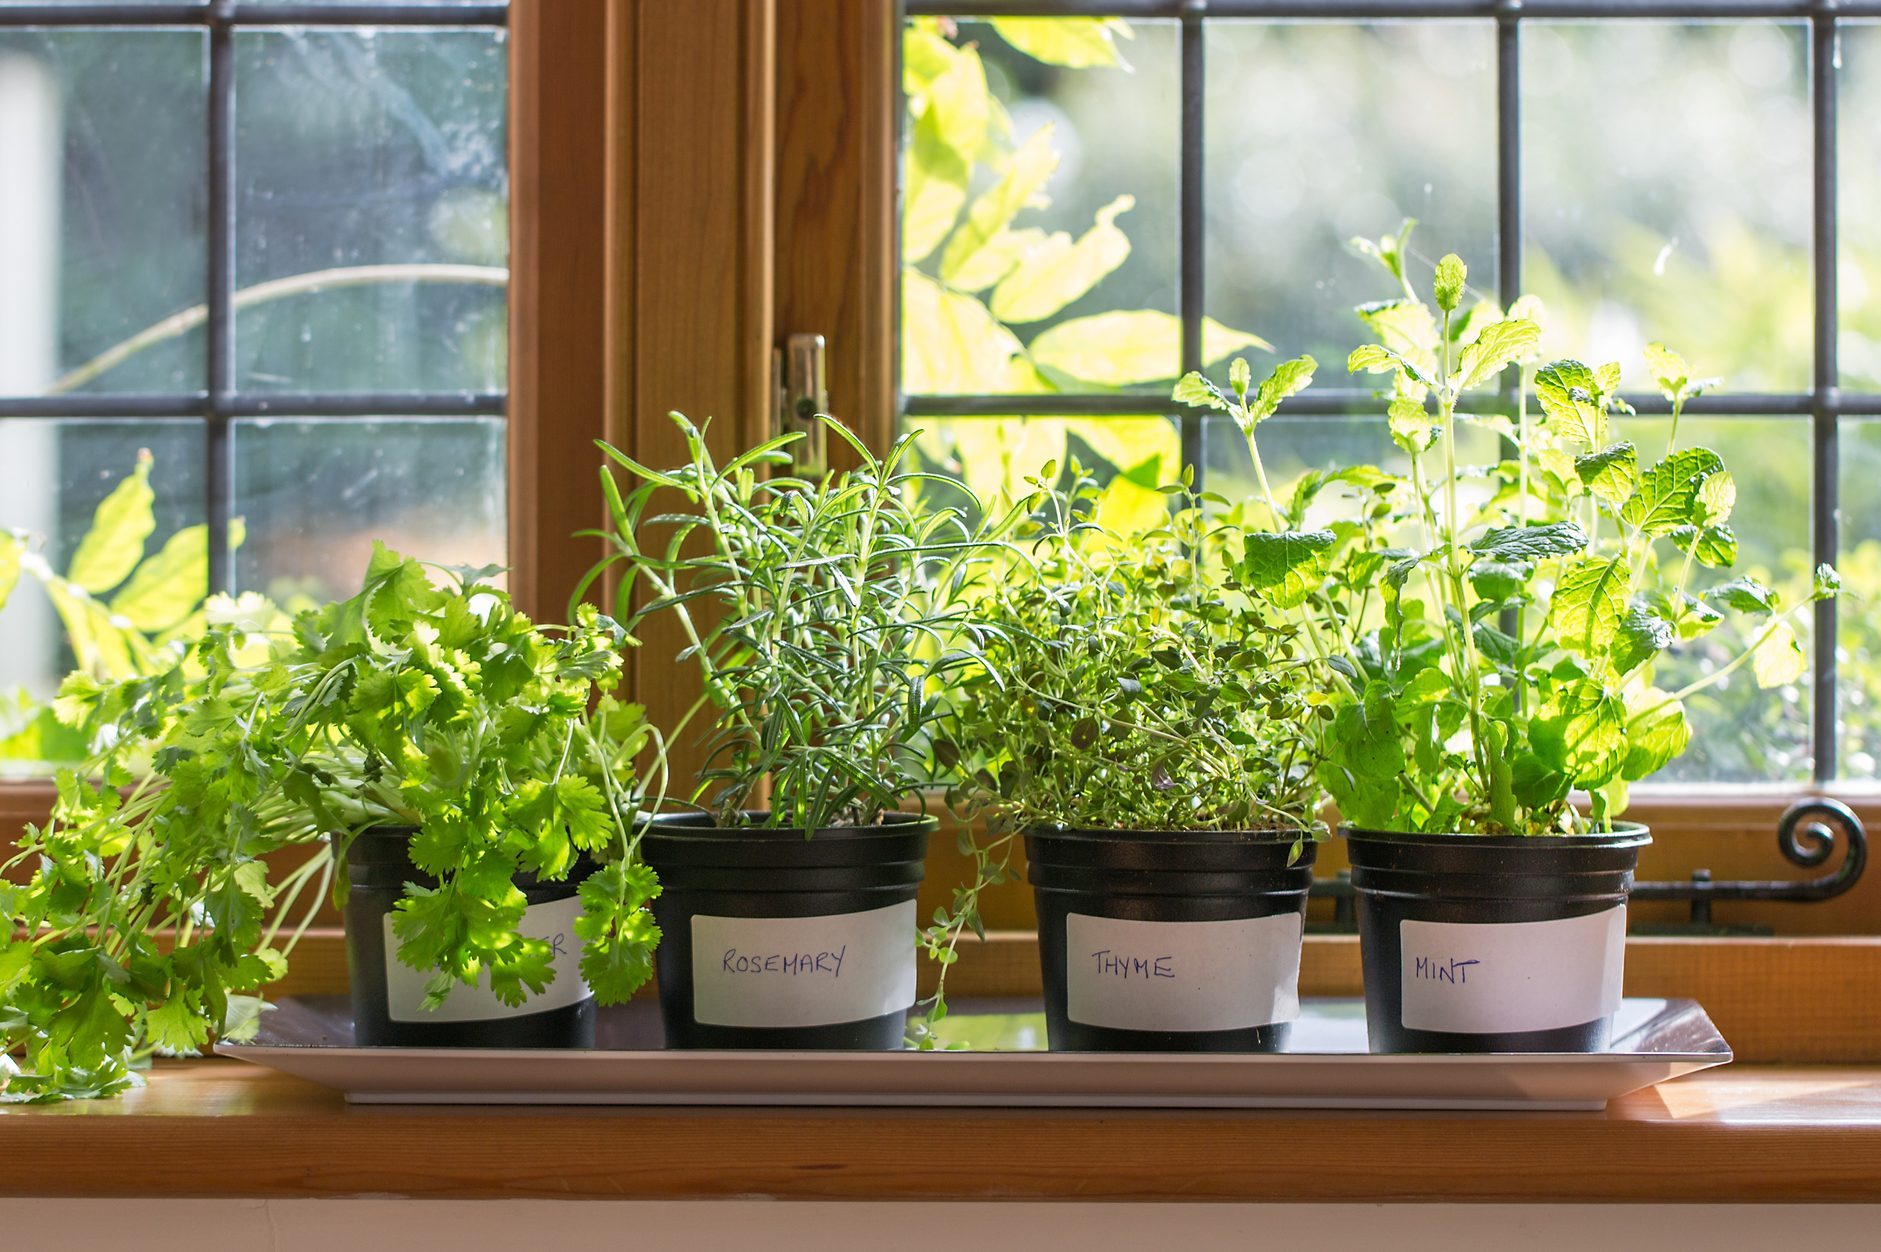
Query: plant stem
[{"x": 181, "y": 323}]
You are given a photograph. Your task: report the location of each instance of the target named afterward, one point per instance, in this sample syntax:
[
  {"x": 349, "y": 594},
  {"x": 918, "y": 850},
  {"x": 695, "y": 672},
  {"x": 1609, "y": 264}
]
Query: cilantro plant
[
  {"x": 823, "y": 616},
  {"x": 150, "y": 921},
  {"x": 1494, "y": 628}
]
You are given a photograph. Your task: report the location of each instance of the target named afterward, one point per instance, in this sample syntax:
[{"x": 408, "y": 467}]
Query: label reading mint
[
  {"x": 803, "y": 971},
  {"x": 554, "y": 921},
  {"x": 1502, "y": 977},
  {"x": 1230, "y": 975}
]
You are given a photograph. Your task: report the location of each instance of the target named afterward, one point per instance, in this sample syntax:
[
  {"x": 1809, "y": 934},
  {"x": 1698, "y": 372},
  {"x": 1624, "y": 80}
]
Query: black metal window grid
[
  {"x": 220, "y": 402},
  {"x": 1823, "y": 405}
]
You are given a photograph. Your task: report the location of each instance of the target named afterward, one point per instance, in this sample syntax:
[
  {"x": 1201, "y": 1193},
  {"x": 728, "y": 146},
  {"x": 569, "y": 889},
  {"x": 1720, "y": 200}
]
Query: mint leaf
[
  {"x": 1411, "y": 424},
  {"x": 1643, "y": 634},
  {"x": 1656, "y": 735},
  {"x": 1589, "y": 604},
  {"x": 1611, "y": 474},
  {"x": 1716, "y": 546},
  {"x": 1570, "y": 397},
  {"x": 1779, "y": 659},
  {"x": 1448, "y": 284},
  {"x": 1289, "y": 378},
  {"x": 1497, "y": 345},
  {"x": 1498, "y": 581},
  {"x": 1667, "y": 496},
  {"x": 1530, "y": 543},
  {"x": 1591, "y": 723},
  {"x": 1366, "y": 758},
  {"x": 1196, "y": 389},
  {"x": 1377, "y": 359},
  {"x": 1826, "y": 585},
  {"x": 1746, "y": 595},
  {"x": 1287, "y": 567}
]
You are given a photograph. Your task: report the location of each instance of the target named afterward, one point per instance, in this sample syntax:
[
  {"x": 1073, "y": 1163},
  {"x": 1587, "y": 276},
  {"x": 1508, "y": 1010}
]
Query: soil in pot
[
  {"x": 771, "y": 939},
  {"x": 388, "y": 995},
  {"x": 1492, "y": 943},
  {"x": 1169, "y": 941}
]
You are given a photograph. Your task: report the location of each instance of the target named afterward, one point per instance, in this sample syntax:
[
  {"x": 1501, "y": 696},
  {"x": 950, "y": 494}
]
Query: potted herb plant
[
  {"x": 424, "y": 737},
  {"x": 1153, "y": 733},
  {"x": 820, "y": 616},
  {"x": 1496, "y": 631}
]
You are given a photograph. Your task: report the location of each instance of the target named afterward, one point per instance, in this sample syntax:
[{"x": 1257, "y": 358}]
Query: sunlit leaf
[
  {"x": 1127, "y": 347},
  {"x": 1779, "y": 659},
  {"x": 1073, "y": 42},
  {"x": 1059, "y": 271},
  {"x": 1024, "y": 176},
  {"x": 114, "y": 545},
  {"x": 950, "y": 343},
  {"x": 165, "y": 589}
]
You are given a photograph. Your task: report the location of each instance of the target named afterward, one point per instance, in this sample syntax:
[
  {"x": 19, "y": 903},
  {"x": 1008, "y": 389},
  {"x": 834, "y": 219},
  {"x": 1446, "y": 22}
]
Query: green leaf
[
  {"x": 1375, "y": 358},
  {"x": 1717, "y": 496},
  {"x": 1530, "y": 543},
  {"x": 1716, "y": 545},
  {"x": 1668, "y": 369},
  {"x": 1287, "y": 567},
  {"x": 1570, "y": 396},
  {"x": 1197, "y": 389},
  {"x": 1363, "y": 770},
  {"x": 1746, "y": 595},
  {"x": 1411, "y": 425},
  {"x": 176, "y": 1028},
  {"x": 1025, "y": 175},
  {"x": 1590, "y": 722},
  {"x": 1826, "y": 585},
  {"x": 1611, "y": 474},
  {"x": 1406, "y": 327},
  {"x": 1059, "y": 271},
  {"x": 1667, "y": 496},
  {"x": 1288, "y": 378},
  {"x": 1451, "y": 278},
  {"x": 1590, "y": 603},
  {"x": 949, "y": 132},
  {"x": 114, "y": 545},
  {"x": 950, "y": 343},
  {"x": 1643, "y": 634},
  {"x": 1657, "y": 733},
  {"x": 1128, "y": 347},
  {"x": 1779, "y": 659},
  {"x": 1497, "y": 345},
  {"x": 1073, "y": 42},
  {"x": 1498, "y": 581}
]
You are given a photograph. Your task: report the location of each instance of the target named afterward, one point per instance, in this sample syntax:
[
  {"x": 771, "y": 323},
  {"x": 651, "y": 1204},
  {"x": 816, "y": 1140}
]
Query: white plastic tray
[{"x": 1326, "y": 1065}]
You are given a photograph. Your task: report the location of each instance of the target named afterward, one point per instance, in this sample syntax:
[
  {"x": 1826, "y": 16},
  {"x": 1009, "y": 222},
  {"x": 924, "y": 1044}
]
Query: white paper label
[
  {"x": 1491, "y": 978},
  {"x": 1131, "y": 975},
  {"x": 803, "y": 971},
  {"x": 554, "y": 921}
]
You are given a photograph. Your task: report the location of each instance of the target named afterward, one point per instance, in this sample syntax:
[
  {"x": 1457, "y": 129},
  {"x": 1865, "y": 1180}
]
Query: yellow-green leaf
[
  {"x": 998, "y": 258},
  {"x": 1025, "y": 174},
  {"x": 947, "y": 134},
  {"x": 1127, "y": 347},
  {"x": 1780, "y": 659},
  {"x": 170, "y": 585},
  {"x": 1059, "y": 271},
  {"x": 114, "y": 545},
  {"x": 949, "y": 342},
  {"x": 1074, "y": 42},
  {"x": 12, "y": 548}
]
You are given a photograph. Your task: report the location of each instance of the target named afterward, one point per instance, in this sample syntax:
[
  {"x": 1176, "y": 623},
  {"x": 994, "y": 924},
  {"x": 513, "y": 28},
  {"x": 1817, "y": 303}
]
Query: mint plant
[
  {"x": 150, "y": 921},
  {"x": 1491, "y": 632}
]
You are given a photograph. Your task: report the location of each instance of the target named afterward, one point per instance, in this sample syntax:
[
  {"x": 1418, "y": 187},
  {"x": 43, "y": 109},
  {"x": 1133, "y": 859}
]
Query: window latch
[{"x": 798, "y": 369}]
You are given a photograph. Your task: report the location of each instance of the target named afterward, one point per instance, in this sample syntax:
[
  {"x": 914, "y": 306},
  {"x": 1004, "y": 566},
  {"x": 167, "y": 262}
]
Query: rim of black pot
[
  {"x": 1623, "y": 835},
  {"x": 705, "y": 826},
  {"x": 1112, "y": 834}
]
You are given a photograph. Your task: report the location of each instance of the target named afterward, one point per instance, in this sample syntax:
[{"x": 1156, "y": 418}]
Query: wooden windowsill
[{"x": 219, "y": 1128}]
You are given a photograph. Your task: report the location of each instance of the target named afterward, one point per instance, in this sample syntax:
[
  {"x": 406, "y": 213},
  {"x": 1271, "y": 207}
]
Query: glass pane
[
  {"x": 1858, "y": 659},
  {"x": 1742, "y": 734},
  {"x": 53, "y": 474},
  {"x": 1310, "y": 143},
  {"x": 371, "y": 210},
  {"x": 1666, "y": 184},
  {"x": 101, "y": 216},
  {"x": 315, "y": 494},
  {"x": 1859, "y": 187},
  {"x": 1130, "y": 456},
  {"x": 1072, "y": 124}
]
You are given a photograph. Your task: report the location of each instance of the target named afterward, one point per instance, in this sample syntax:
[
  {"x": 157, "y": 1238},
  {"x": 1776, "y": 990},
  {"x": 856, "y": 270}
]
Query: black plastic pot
[
  {"x": 771, "y": 939},
  {"x": 1082, "y": 876},
  {"x": 1523, "y": 977},
  {"x": 387, "y": 996}
]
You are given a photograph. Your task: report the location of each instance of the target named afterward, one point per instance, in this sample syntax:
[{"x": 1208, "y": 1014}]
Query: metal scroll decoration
[{"x": 1808, "y": 834}]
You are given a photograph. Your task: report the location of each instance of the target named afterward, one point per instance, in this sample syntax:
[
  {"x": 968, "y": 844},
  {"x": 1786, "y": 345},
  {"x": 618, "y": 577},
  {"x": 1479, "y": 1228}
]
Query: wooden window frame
[{"x": 689, "y": 180}]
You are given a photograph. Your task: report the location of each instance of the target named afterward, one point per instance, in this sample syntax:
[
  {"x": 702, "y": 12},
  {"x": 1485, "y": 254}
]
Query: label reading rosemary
[{"x": 803, "y": 971}]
